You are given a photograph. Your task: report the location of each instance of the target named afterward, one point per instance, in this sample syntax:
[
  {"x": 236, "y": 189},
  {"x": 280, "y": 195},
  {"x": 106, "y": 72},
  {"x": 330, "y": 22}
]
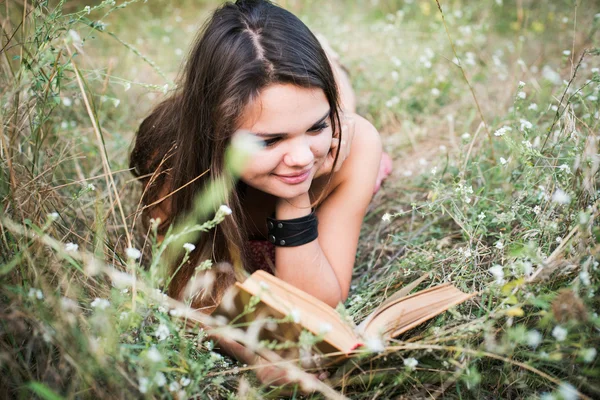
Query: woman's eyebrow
[{"x": 316, "y": 124}]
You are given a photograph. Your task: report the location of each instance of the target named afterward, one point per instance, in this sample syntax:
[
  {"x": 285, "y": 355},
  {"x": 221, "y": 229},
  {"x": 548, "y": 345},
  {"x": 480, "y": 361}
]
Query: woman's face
[{"x": 294, "y": 124}]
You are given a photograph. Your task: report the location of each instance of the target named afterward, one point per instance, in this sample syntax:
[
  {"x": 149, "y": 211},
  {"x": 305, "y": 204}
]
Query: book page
[
  {"x": 405, "y": 291},
  {"x": 413, "y": 310},
  {"x": 313, "y": 314}
]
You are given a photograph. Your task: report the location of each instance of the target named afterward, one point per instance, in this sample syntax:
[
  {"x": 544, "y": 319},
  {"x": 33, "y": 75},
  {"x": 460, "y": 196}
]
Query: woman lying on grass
[{"x": 257, "y": 68}]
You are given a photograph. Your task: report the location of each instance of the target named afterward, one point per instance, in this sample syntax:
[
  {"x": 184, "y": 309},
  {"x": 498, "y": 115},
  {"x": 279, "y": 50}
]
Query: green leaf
[{"x": 43, "y": 391}]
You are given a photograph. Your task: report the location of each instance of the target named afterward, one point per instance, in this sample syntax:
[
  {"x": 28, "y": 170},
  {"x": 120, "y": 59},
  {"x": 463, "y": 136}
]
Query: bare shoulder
[{"x": 362, "y": 164}]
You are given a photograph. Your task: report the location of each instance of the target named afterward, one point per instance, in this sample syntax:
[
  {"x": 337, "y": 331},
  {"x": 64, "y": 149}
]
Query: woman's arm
[{"x": 323, "y": 267}]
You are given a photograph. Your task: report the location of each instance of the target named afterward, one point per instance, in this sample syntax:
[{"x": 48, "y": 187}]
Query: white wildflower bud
[
  {"x": 71, "y": 247},
  {"x": 375, "y": 344},
  {"x": 101, "y": 304},
  {"x": 386, "y": 217},
  {"x": 411, "y": 363},
  {"x": 588, "y": 354},
  {"x": 533, "y": 338},
  {"x": 154, "y": 355},
  {"x": 225, "y": 210},
  {"x": 559, "y": 333},
  {"x": 53, "y": 216},
  {"x": 325, "y": 328},
  {"x": 162, "y": 332},
  {"x": 133, "y": 253},
  {"x": 189, "y": 247},
  {"x": 561, "y": 197}
]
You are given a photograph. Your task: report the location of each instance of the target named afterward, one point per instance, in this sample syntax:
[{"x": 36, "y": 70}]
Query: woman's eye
[
  {"x": 318, "y": 128},
  {"x": 321, "y": 127},
  {"x": 270, "y": 142}
]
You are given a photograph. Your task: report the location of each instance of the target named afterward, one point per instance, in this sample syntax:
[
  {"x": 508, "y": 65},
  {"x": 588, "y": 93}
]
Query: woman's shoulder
[{"x": 363, "y": 159}]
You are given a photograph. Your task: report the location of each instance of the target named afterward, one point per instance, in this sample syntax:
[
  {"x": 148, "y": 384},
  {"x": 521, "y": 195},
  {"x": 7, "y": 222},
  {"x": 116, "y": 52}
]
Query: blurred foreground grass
[{"x": 494, "y": 189}]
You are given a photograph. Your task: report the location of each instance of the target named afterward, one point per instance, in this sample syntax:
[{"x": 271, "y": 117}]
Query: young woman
[{"x": 299, "y": 204}]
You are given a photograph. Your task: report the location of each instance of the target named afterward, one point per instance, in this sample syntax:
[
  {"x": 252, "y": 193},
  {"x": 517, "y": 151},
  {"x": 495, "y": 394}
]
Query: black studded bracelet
[{"x": 293, "y": 232}]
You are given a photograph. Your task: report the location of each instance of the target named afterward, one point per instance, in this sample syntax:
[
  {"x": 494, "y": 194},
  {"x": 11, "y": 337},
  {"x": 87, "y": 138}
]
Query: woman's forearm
[{"x": 306, "y": 266}]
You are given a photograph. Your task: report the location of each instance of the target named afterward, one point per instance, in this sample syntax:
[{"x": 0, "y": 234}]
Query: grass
[{"x": 494, "y": 189}]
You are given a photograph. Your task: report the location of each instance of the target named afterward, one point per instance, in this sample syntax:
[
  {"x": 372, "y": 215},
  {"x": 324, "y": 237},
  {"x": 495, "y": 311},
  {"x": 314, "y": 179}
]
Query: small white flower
[
  {"x": 165, "y": 88},
  {"x": 127, "y": 86},
  {"x": 567, "y": 391},
  {"x": 584, "y": 277},
  {"x": 537, "y": 210},
  {"x": 465, "y": 136},
  {"x": 185, "y": 381},
  {"x": 467, "y": 253},
  {"x": 561, "y": 197},
  {"x": 589, "y": 354},
  {"x": 35, "y": 293},
  {"x": 87, "y": 9},
  {"x": 522, "y": 95},
  {"x": 395, "y": 75},
  {"x": 174, "y": 386},
  {"x": 225, "y": 209},
  {"x": 386, "y": 217},
  {"x": 71, "y": 247},
  {"x": 525, "y": 125},
  {"x": 533, "y": 338},
  {"x": 498, "y": 272},
  {"x": 263, "y": 285},
  {"x": 443, "y": 148},
  {"x": 133, "y": 253},
  {"x": 295, "y": 314},
  {"x": 554, "y": 107},
  {"x": 567, "y": 52},
  {"x": 154, "y": 355},
  {"x": 160, "y": 379},
  {"x": 325, "y": 328},
  {"x": 144, "y": 382},
  {"x": 499, "y": 245},
  {"x": 481, "y": 216},
  {"x": 559, "y": 333},
  {"x": 101, "y": 304},
  {"x": 565, "y": 168},
  {"x": 189, "y": 247},
  {"x": 116, "y": 102},
  {"x": 435, "y": 92},
  {"x": 53, "y": 216},
  {"x": 375, "y": 344},
  {"x": 433, "y": 170},
  {"x": 503, "y": 161},
  {"x": 410, "y": 363},
  {"x": 521, "y": 84},
  {"x": 527, "y": 144},
  {"x": 533, "y": 107},
  {"x": 91, "y": 187},
  {"x": 67, "y": 102},
  {"x": 558, "y": 239},
  {"x": 162, "y": 332},
  {"x": 595, "y": 70},
  {"x": 502, "y": 131}
]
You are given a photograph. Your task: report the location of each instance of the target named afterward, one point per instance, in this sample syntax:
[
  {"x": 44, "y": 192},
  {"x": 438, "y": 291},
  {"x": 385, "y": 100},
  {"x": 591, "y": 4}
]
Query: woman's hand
[{"x": 347, "y": 136}]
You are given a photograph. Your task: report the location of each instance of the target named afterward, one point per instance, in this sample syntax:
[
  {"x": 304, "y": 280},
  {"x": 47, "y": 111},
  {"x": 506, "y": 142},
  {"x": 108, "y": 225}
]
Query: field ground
[{"x": 491, "y": 114}]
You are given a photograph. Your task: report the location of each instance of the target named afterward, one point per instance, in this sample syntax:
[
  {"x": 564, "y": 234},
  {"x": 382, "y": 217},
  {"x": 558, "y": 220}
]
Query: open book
[{"x": 278, "y": 299}]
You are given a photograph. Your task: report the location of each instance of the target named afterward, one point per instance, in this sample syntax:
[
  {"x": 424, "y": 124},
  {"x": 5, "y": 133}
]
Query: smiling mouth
[{"x": 295, "y": 178}]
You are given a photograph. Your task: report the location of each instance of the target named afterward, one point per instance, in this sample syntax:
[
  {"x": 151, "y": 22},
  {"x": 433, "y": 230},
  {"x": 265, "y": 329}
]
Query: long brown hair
[{"x": 243, "y": 48}]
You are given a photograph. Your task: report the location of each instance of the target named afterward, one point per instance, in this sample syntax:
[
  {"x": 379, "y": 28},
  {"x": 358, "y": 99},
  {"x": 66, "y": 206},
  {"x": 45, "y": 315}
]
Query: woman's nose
[{"x": 300, "y": 154}]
